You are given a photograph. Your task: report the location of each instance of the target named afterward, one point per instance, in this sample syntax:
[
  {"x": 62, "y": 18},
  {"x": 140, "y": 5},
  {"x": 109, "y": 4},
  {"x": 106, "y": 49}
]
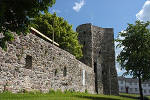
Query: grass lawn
[{"x": 64, "y": 96}]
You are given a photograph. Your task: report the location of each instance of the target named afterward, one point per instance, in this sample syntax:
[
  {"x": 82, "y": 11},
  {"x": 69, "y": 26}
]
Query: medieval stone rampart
[{"x": 30, "y": 63}]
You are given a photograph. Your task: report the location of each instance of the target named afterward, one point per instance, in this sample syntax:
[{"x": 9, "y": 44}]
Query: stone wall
[
  {"x": 31, "y": 63},
  {"x": 98, "y": 35},
  {"x": 99, "y": 46},
  {"x": 104, "y": 58},
  {"x": 109, "y": 72},
  {"x": 85, "y": 38}
]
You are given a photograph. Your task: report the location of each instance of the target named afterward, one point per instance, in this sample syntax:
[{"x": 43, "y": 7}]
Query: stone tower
[{"x": 98, "y": 53}]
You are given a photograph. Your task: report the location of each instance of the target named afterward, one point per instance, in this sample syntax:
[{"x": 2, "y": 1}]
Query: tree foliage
[
  {"x": 63, "y": 33},
  {"x": 135, "y": 55},
  {"x": 16, "y": 15}
]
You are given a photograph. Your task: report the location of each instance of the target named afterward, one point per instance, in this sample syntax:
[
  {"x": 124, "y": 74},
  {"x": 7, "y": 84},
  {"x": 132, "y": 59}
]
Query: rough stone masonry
[
  {"x": 99, "y": 54},
  {"x": 31, "y": 63}
]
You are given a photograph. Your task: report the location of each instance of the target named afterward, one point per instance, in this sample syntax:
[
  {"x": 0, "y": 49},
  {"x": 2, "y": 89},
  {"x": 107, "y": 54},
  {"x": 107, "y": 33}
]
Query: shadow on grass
[
  {"x": 95, "y": 98},
  {"x": 133, "y": 97},
  {"x": 128, "y": 96}
]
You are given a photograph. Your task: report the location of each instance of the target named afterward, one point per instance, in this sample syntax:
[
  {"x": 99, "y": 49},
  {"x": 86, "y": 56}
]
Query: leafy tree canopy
[
  {"x": 135, "y": 55},
  {"x": 15, "y": 16},
  {"x": 63, "y": 33}
]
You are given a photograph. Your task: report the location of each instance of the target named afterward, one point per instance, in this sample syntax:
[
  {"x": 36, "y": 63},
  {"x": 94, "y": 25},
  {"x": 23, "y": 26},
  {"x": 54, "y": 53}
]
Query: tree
[
  {"x": 63, "y": 33},
  {"x": 135, "y": 55},
  {"x": 16, "y": 15}
]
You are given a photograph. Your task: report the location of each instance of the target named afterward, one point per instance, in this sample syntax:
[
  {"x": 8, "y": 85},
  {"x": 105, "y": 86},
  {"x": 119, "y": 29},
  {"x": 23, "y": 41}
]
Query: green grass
[{"x": 63, "y": 96}]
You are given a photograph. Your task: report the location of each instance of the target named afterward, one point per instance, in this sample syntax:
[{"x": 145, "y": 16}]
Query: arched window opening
[{"x": 28, "y": 62}]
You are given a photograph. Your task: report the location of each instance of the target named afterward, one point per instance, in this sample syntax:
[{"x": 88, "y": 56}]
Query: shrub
[
  {"x": 86, "y": 91},
  {"x": 52, "y": 91}
]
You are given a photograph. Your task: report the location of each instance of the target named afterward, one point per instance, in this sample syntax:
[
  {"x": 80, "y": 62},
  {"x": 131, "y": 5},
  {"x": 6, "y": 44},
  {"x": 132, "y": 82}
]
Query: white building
[{"x": 130, "y": 85}]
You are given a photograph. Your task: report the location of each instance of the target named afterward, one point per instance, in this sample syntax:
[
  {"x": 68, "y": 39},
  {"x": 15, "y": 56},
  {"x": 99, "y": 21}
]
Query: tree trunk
[{"x": 140, "y": 88}]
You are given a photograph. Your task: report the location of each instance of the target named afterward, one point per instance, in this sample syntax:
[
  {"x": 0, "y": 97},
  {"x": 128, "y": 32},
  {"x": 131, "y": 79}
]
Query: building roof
[{"x": 131, "y": 80}]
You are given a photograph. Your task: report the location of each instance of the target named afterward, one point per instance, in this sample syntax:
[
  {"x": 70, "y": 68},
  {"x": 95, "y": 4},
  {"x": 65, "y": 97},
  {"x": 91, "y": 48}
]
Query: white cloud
[
  {"x": 117, "y": 52},
  {"x": 117, "y": 49},
  {"x": 78, "y": 5},
  {"x": 56, "y": 10},
  {"x": 119, "y": 71},
  {"x": 144, "y": 13}
]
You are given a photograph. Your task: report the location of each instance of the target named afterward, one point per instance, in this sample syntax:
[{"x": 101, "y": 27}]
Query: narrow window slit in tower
[
  {"x": 84, "y": 43},
  {"x": 84, "y": 32},
  {"x": 95, "y": 71}
]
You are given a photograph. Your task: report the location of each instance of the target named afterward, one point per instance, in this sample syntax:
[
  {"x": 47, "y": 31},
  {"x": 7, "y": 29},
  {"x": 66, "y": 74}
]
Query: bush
[
  {"x": 86, "y": 91},
  {"x": 146, "y": 98},
  {"x": 52, "y": 91}
]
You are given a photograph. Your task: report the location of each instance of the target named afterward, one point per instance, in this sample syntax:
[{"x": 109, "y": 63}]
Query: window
[
  {"x": 95, "y": 67},
  {"x": 121, "y": 82},
  {"x": 144, "y": 91},
  {"x": 149, "y": 91},
  {"x": 149, "y": 85},
  {"x": 100, "y": 51},
  {"x": 28, "y": 62},
  {"x": 55, "y": 72},
  {"x": 135, "y": 83},
  {"x": 84, "y": 32},
  {"x": 84, "y": 43},
  {"x": 130, "y": 89},
  {"x": 136, "y": 89},
  {"x": 83, "y": 77},
  {"x": 121, "y": 88},
  {"x": 65, "y": 72},
  {"x": 144, "y": 85},
  {"x": 130, "y": 83}
]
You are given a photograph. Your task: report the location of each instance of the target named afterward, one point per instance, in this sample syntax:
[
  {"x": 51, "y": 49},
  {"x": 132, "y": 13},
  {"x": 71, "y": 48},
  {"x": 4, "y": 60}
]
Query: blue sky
[{"x": 103, "y": 13}]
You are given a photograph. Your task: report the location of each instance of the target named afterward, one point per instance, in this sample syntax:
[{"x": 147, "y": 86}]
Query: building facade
[{"x": 130, "y": 85}]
